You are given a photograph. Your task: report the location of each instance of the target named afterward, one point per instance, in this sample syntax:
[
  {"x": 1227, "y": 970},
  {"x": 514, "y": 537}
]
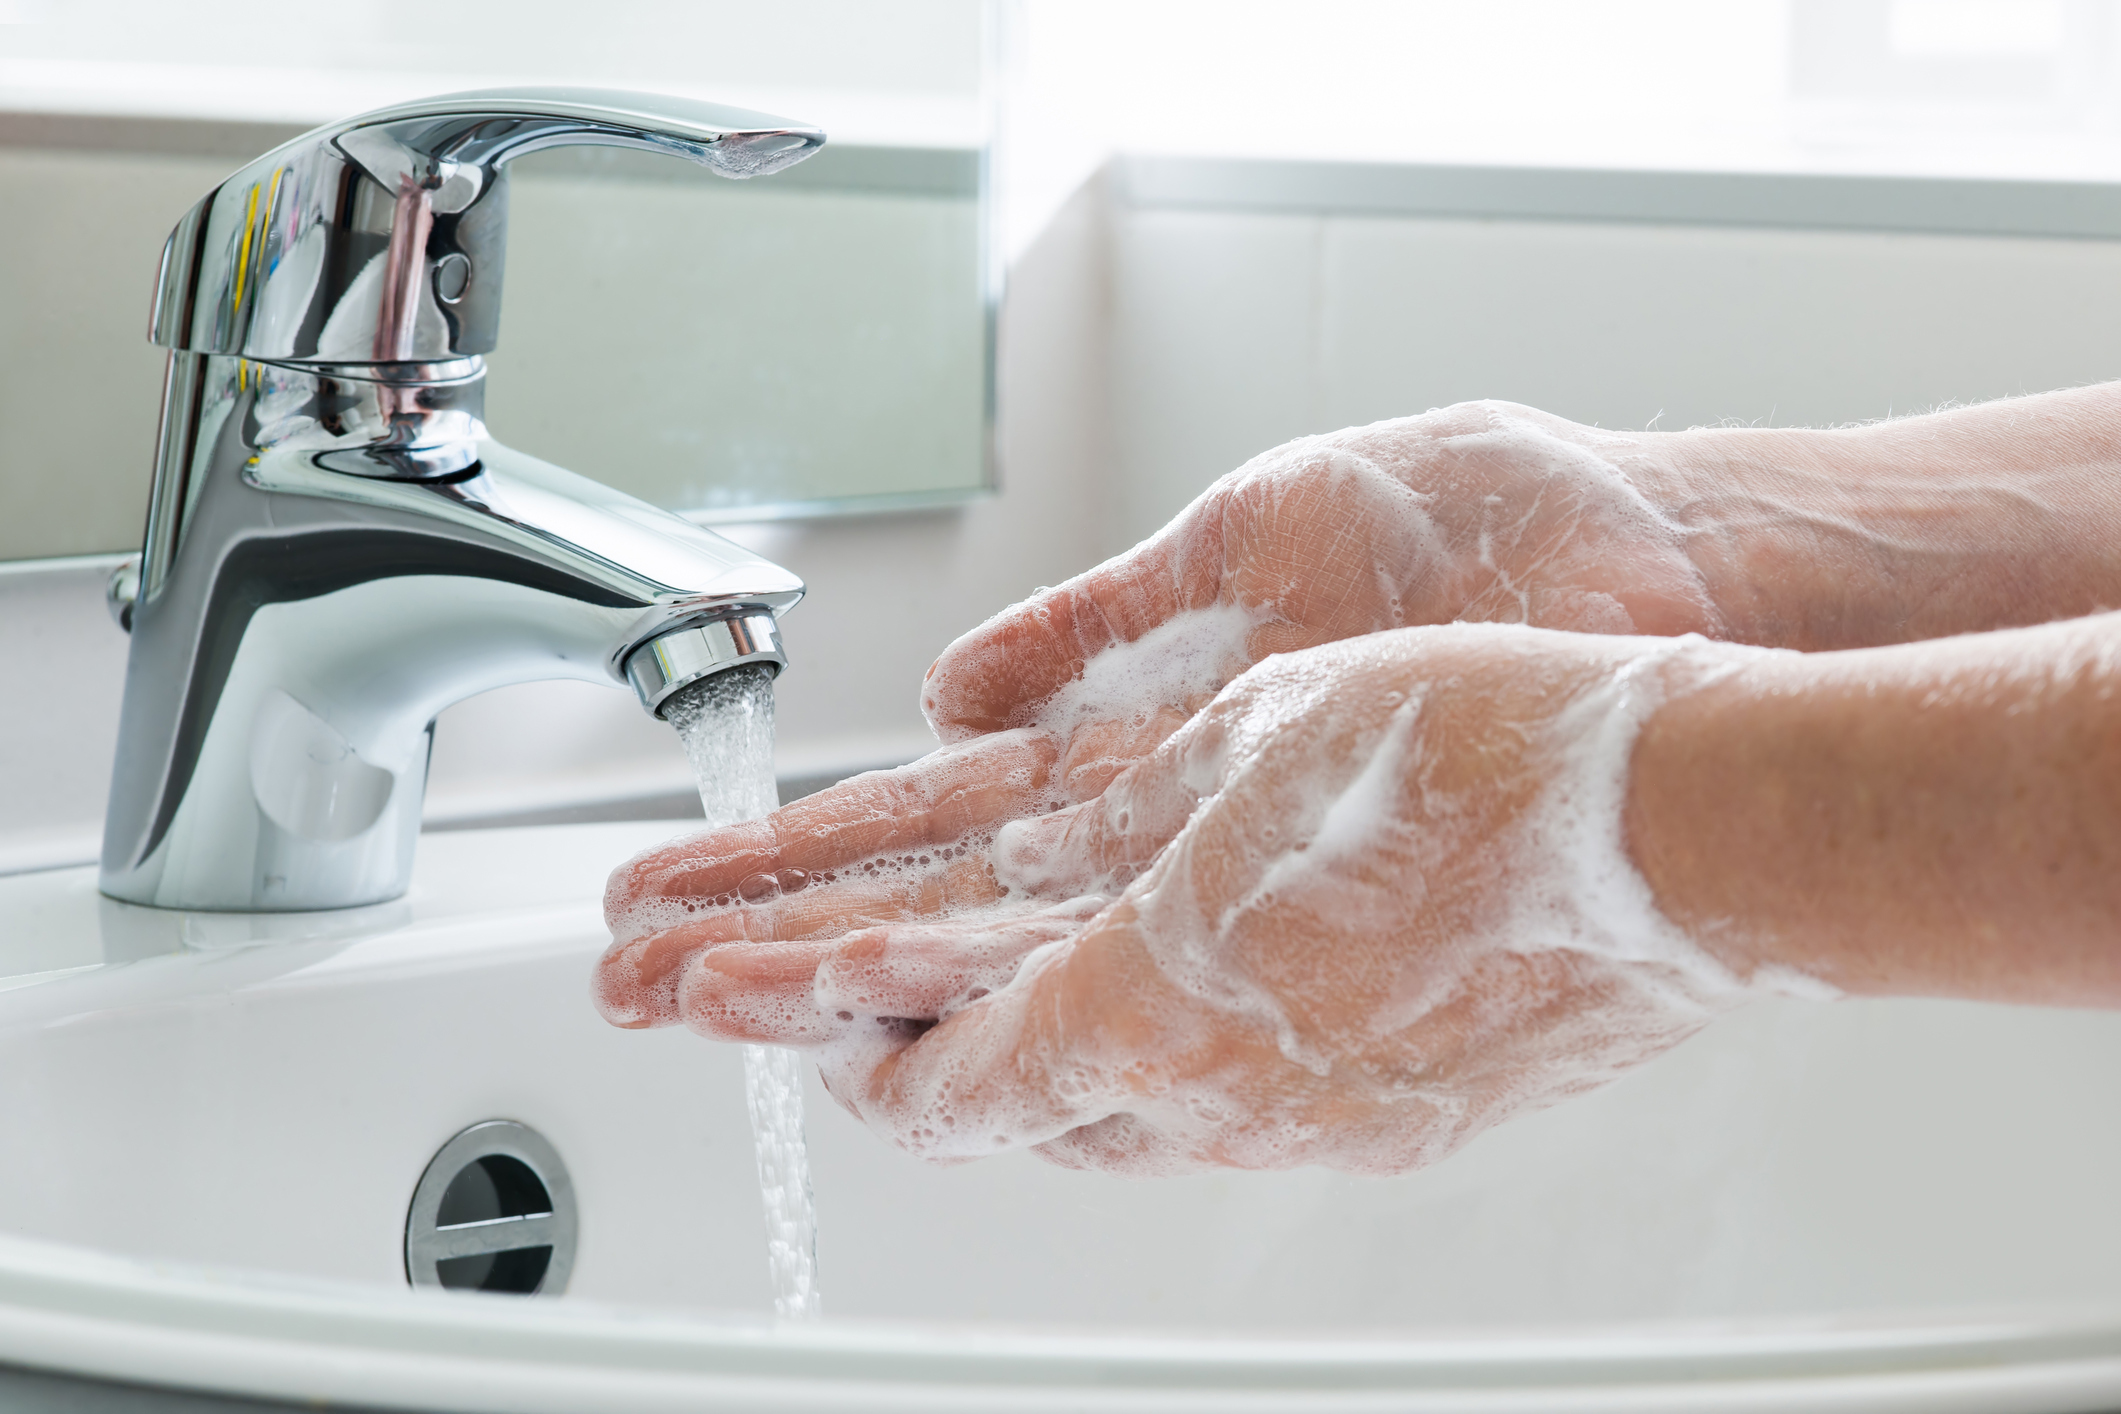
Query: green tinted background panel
[
  {"x": 810, "y": 342},
  {"x": 814, "y": 340}
]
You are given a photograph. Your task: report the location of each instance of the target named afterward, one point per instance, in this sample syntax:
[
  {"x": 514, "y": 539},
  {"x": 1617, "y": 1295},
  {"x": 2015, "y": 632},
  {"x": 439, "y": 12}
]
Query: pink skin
[
  {"x": 1378, "y": 1020},
  {"x": 1116, "y": 848},
  {"x": 1483, "y": 512}
]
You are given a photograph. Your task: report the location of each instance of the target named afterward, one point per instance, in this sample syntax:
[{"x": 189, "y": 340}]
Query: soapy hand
[
  {"x": 1372, "y": 898},
  {"x": 1367, "y": 903},
  {"x": 1483, "y": 512}
]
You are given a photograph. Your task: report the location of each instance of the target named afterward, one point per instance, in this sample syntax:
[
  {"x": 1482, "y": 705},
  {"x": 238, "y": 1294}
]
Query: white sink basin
[{"x": 262, "y": 1093}]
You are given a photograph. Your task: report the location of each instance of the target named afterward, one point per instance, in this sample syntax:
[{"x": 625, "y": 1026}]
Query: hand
[
  {"x": 1483, "y": 512},
  {"x": 1369, "y": 902},
  {"x": 888, "y": 845},
  {"x": 1955, "y": 522},
  {"x": 880, "y": 931}
]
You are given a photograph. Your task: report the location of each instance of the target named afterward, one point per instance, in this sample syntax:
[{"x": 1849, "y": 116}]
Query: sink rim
[
  {"x": 88, "y": 1313},
  {"x": 56, "y": 928}
]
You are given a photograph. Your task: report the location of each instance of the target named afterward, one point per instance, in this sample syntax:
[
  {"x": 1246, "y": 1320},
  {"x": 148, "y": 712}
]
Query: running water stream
[{"x": 726, "y": 723}]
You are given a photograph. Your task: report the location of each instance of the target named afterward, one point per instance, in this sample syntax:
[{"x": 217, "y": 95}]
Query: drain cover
[{"x": 493, "y": 1212}]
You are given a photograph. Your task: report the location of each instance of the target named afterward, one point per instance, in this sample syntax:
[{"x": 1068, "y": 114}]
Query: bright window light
[
  {"x": 1992, "y": 88},
  {"x": 1936, "y": 28}
]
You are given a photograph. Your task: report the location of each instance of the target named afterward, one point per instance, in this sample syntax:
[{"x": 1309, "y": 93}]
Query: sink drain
[{"x": 493, "y": 1212}]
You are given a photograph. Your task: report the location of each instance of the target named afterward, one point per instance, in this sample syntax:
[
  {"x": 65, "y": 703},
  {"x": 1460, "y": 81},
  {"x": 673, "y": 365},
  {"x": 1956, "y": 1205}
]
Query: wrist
[
  {"x": 1680, "y": 843},
  {"x": 1774, "y": 523},
  {"x": 1996, "y": 516},
  {"x": 1607, "y": 893},
  {"x": 1929, "y": 819}
]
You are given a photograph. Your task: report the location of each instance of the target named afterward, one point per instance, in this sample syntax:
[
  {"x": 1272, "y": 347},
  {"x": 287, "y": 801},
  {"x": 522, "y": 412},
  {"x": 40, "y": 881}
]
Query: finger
[
  {"x": 982, "y": 1087},
  {"x": 994, "y": 677},
  {"x": 1101, "y": 845},
  {"x": 913, "y": 810},
  {"x": 1122, "y": 1144},
  {"x": 1098, "y": 751},
  {"x": 1317, "y": 543},
  {"x": 932, "y": 970},
  {"x": 1334, "y": 546},
  {"x": 1048, "y": 1054},
  {"x": 756, "y": 992},
  {"x": 637, "y": 979}
]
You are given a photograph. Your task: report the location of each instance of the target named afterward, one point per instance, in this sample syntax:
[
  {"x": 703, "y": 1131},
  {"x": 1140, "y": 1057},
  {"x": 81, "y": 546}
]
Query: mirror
[
  {"x": 812, "y": 342},
  {"x": 815, "y": 342}
]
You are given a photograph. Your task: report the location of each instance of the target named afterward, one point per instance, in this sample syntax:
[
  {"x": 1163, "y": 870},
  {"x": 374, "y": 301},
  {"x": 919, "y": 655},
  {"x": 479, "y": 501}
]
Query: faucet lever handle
[{"x": 382, "y": 238}]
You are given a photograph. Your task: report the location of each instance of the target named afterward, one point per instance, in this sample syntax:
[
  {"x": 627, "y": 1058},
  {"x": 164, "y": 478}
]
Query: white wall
[
  {"x": 80, "y": 385},
  {"x": 1238, "y": 330},
  {"x": 1951, "y": 88},
  {"x": 62, "y": 669}
]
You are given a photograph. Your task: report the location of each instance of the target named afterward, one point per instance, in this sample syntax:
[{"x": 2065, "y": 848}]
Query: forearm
[
  {"x": 2004, "y": 514},
  {"x": 1938, "y": 819}
]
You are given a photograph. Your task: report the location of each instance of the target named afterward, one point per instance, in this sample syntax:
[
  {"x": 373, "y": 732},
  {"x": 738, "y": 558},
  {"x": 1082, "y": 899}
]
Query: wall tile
[
  {"x": 1616, "y": 324},
  {"x": 64, "y": 676},
  {"x": 80, "y": 385},
  {"x": 1214, "y": 328}
]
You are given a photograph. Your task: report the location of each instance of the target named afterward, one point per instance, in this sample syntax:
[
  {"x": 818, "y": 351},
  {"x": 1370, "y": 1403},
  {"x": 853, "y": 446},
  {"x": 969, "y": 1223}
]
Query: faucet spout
[
  {"x": 336, "y": 547},
  {"x": 335, "y": 554}
]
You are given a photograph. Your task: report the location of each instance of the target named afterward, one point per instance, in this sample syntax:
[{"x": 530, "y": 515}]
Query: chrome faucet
[{"x": 336, "y": 550}]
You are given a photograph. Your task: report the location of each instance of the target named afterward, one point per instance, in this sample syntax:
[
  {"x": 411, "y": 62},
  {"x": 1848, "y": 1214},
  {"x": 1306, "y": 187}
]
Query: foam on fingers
[
  {"x": 637, "y": 980},
  {"x": 996, "y": 676},
  {"x": 680, "y": 871},
  {"x": 756, "y": 992},
  {"x": 998, "y": 1075},
  {"x": 918, "y": 810},
  {"x": 1101, "y": 845},
  {"x": 929, "y": 971},
  {"x": 1121, "y": 1144}
]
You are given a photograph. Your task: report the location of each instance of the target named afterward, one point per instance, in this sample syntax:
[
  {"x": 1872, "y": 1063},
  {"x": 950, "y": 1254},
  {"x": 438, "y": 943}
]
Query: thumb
[
  {"x": 996, "y": 676},
  {"x": 1099, "y": 846},
  {"x": 1019, "y": 1068}
]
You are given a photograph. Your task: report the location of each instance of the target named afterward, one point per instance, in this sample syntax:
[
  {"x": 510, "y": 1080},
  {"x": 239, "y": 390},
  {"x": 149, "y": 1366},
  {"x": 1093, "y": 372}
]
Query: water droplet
[{"x": 760, "y": 888}]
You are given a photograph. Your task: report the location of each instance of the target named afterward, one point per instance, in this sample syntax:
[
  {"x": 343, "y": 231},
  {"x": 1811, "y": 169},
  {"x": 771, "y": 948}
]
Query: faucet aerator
[{"x": 682, "y": 656}]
